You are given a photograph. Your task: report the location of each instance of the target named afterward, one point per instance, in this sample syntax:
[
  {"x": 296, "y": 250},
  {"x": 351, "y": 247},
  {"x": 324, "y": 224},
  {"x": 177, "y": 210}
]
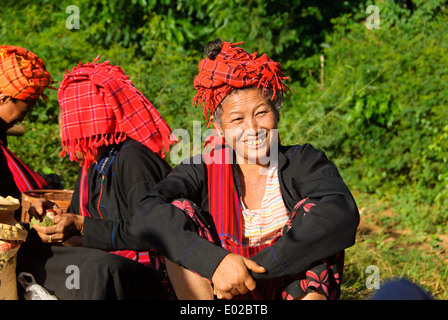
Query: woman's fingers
[
  {"x": 232, "y": 276},
  {"x": 48, "y": 234},
  {"x": 253, "y": 266},
  {"x": 40, "y": 208}
]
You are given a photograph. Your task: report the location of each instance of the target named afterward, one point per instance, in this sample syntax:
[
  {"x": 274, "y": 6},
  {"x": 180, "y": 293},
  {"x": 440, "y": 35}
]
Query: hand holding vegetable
[{"x": 52, "y": 225}]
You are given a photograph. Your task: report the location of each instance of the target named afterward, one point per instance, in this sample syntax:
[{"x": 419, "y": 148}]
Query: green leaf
[{"x": 46, "y": 222}]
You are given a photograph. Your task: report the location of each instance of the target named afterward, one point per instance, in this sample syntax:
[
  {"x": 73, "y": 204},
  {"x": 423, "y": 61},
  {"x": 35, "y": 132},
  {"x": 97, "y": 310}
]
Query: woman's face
[
  {"x": 250, "y": 123},
  {"x": 13, "y": 111}
]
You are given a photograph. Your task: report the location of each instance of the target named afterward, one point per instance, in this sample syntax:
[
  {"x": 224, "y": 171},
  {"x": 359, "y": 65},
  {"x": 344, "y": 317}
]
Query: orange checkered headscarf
[
  {"x": 234, "y": 68},
  {"x": 22, "y": 74}
]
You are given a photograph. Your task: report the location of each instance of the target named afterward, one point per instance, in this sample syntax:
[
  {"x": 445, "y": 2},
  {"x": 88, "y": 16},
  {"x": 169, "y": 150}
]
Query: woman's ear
[
  {"x": 217, "y": 126},
  {"x": 4, "y": 98}
]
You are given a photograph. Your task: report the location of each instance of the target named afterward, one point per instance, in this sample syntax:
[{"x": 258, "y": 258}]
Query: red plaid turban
[
  {"x": 235, "y": 68},
  {"x": 101, "y": 106},
  {"x": 22, "y": 74}
]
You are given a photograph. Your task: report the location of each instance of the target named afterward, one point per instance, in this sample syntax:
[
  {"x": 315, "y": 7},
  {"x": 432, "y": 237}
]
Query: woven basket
[{"x": 61, "y": 197}]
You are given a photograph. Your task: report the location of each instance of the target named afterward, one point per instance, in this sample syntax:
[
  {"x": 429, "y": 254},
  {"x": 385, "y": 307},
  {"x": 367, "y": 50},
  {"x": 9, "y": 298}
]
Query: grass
[{"x": 397, "y": 252}]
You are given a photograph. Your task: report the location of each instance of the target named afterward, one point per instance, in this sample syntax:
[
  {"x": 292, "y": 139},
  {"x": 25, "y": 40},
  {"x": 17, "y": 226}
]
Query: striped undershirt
[{"x": 261, "y": 226}]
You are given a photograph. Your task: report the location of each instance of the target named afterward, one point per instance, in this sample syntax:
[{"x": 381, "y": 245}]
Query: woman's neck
[
  {"x": 252, "y": 170},
  {"x": 253, "y": 184}
]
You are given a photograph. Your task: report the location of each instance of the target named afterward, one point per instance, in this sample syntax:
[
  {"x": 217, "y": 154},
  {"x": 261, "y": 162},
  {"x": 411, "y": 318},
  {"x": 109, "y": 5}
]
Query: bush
[
  {"x": 381, "y": 112},
  {"x": 377, "y": 107}
]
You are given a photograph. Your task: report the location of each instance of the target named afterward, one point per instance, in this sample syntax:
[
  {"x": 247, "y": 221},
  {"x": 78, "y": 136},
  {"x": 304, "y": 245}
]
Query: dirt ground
[{"x": 425, "y": 243}]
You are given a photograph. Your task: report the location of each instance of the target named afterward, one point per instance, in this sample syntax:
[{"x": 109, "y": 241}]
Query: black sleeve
[
  {"x": 169, "y": 230},
  {"x": 328, "y": 227},
  {"x": 74, "y": 202},
  {"x": 137, "y": 169}
]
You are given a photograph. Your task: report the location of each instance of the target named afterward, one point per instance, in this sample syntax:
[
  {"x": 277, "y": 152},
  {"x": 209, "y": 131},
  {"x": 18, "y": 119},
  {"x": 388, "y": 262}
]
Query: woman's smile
[{"x": 255, "y": 141}]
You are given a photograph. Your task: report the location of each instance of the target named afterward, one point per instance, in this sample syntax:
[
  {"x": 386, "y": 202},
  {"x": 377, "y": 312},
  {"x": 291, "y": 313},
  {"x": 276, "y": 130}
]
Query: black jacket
[
  {"x": 129, "y": 170},
  {"x": 328, "y": 228},
  {"x": 8, "y": 186}
]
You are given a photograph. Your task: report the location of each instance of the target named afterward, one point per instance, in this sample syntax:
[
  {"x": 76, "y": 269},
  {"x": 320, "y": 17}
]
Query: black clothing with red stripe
[
  {"x": 304, "y": 172},
  {"x": 116, "y": 184},
  {"x": 7, "y": 185}
]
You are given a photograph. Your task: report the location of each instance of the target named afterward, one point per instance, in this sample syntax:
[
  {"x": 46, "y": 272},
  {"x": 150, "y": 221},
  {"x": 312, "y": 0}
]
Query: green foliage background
[{"x": 377, "y": 107}]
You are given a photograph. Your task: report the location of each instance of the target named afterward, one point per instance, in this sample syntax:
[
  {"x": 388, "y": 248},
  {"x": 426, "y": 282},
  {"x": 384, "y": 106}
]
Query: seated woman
[
  {"x": 120, "y": 140},
  {"x": 251, "y": 218},
  {"x": 23, "y": 78}
]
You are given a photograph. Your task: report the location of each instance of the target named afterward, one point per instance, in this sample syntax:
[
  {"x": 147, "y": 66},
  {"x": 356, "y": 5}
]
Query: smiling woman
[{"x": 253, "y": 219}]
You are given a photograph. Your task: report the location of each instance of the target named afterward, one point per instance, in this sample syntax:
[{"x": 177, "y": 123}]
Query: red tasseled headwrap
[
  {"x": 100, "y": 106},
  {"x": 235, "y": 68}
]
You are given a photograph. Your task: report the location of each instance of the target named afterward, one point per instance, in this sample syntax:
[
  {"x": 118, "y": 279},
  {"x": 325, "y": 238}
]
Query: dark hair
[
  {"x": 5, "y": 98},
  {"x": 213, "y": 48}
]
